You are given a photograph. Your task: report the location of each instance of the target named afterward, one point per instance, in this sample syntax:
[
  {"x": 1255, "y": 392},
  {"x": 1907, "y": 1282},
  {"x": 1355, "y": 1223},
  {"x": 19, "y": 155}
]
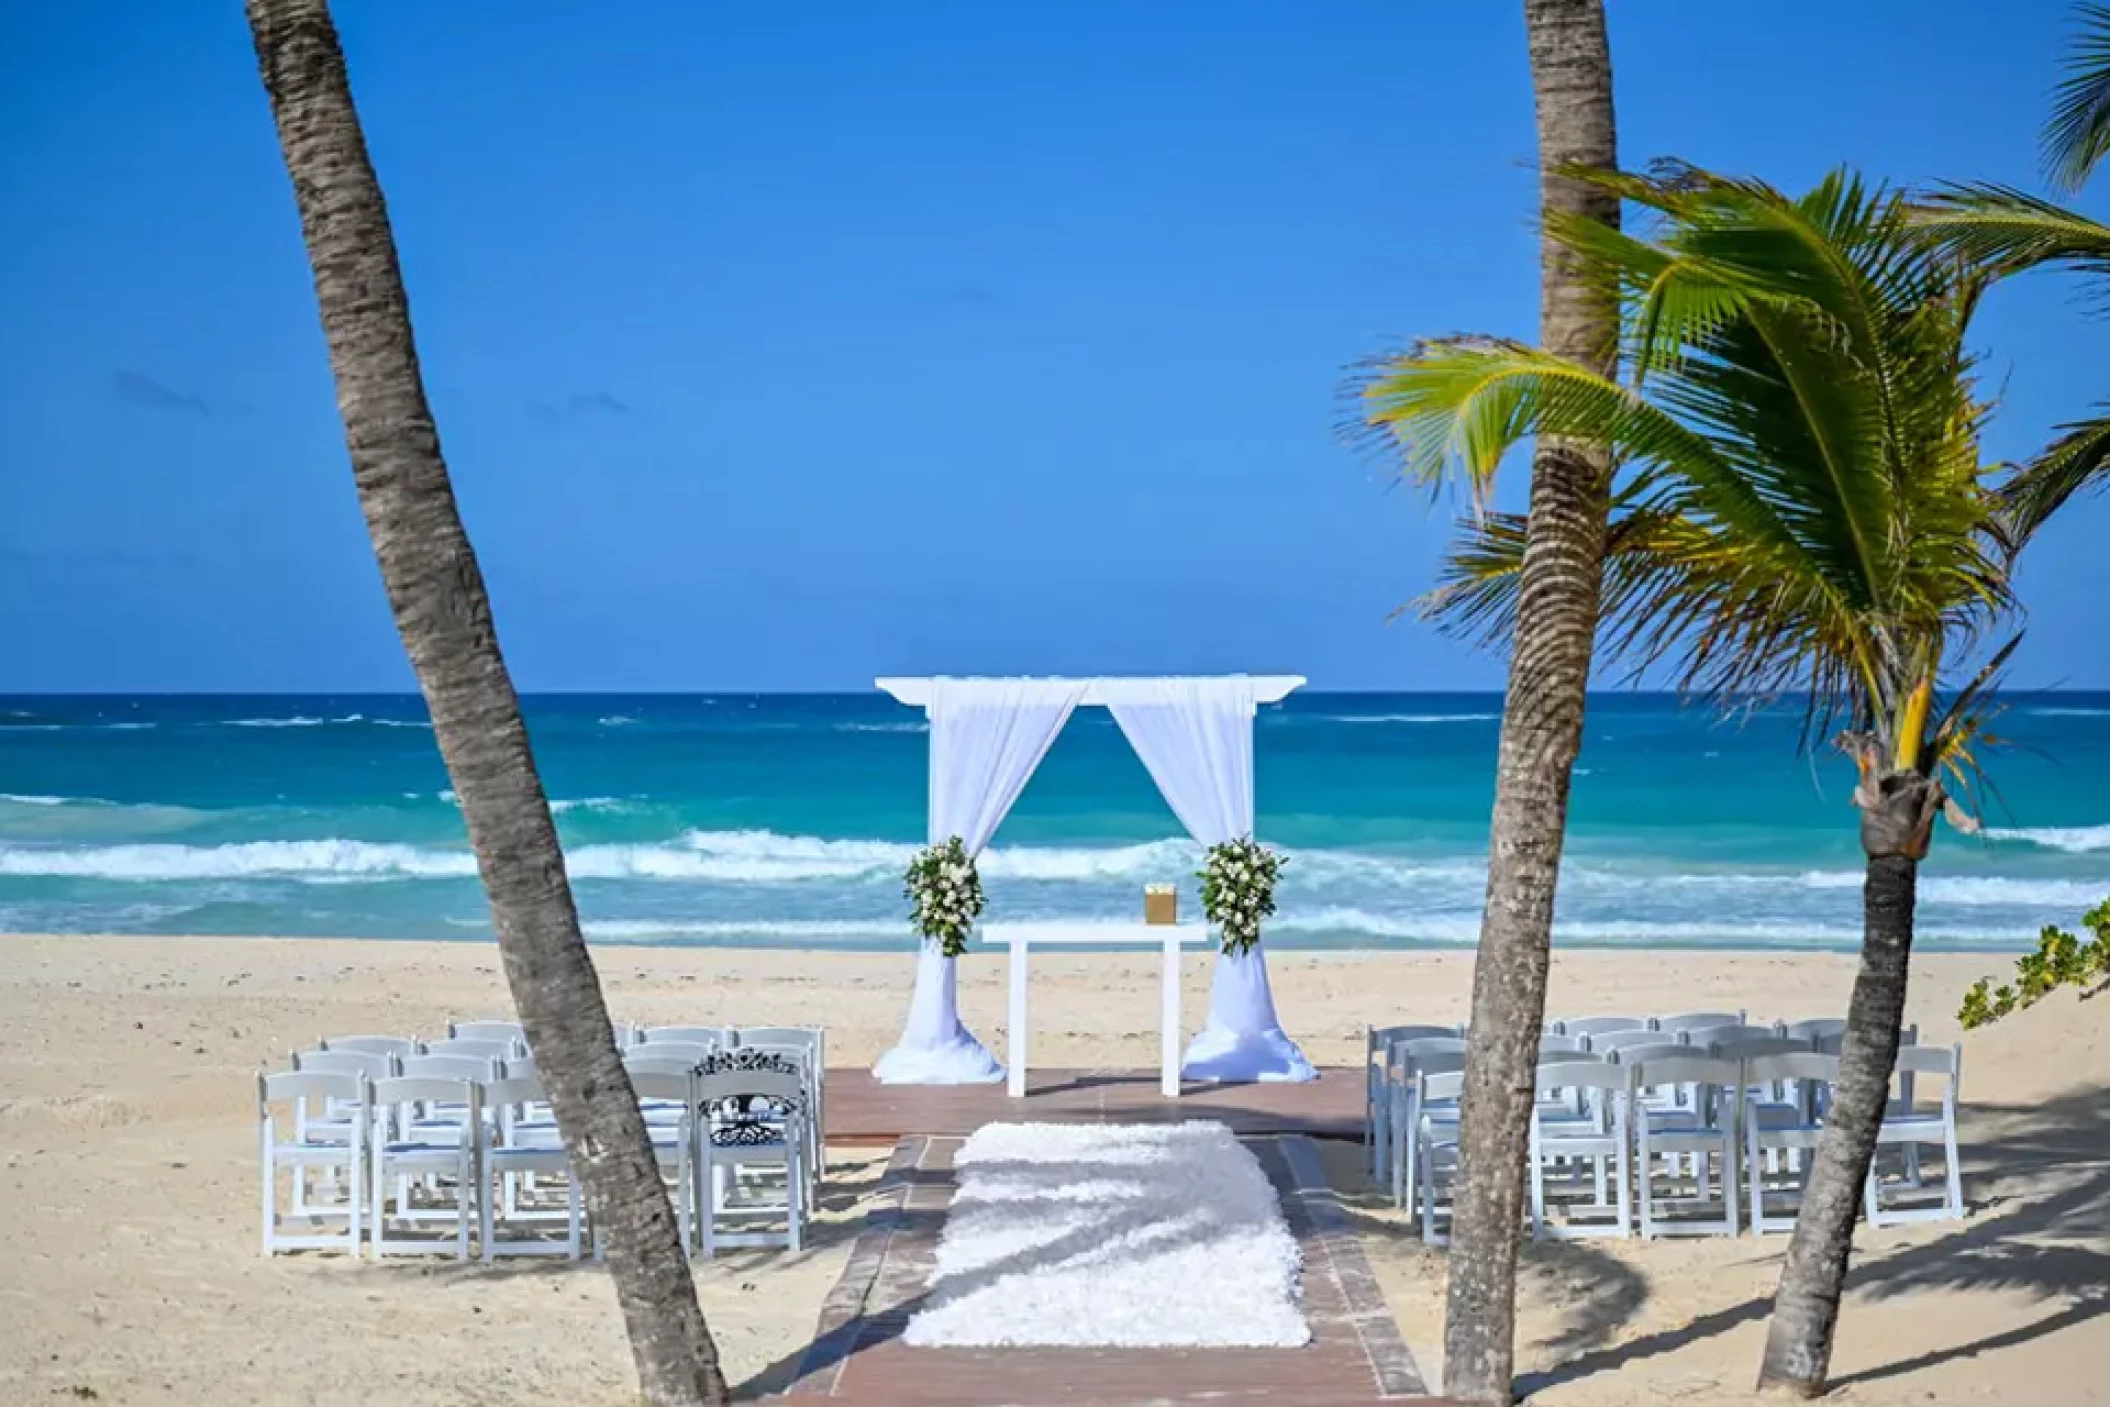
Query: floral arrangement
[
  {"x": 1238, "y": 890},
  {"x": 947, "y": 893}
]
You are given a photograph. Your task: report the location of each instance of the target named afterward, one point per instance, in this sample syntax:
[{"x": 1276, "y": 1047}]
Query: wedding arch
[{"x": 1195, "y": 737}]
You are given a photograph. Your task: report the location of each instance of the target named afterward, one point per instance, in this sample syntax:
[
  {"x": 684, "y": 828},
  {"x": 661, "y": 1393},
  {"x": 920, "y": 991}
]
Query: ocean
[{"x": 786, "y": 821}]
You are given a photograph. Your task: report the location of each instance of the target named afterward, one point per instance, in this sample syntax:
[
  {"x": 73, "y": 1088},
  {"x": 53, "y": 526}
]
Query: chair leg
[
  {"x": 1952, "y": 1166},
  {"x": 1538, "y": 1188}
]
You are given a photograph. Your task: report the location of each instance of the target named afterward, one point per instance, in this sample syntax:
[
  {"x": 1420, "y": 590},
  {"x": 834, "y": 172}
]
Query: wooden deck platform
[
  {"x": 860, "y": 1109},
  {"x": 1356, "y": 1357}
]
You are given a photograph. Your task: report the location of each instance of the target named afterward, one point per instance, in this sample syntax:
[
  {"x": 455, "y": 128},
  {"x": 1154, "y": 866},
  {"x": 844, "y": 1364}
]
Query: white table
[{"x": 1170, "y": 937}]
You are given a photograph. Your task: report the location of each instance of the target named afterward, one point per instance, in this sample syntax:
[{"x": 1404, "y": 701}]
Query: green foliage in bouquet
[
  {"x": 1238, "y": 890},
  {"x": 947, "y": 894}
]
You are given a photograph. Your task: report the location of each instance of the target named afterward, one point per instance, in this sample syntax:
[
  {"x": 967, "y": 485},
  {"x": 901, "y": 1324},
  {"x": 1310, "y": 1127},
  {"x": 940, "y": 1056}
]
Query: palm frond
[
  {"x": 2004, "y": 231},
  {"x": 2077, "y": 136},
  {"x": 2079, "y": 459}
]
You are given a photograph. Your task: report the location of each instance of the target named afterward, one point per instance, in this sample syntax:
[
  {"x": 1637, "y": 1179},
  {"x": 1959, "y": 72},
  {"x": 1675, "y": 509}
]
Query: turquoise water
[{"x": 787, "y": 820}]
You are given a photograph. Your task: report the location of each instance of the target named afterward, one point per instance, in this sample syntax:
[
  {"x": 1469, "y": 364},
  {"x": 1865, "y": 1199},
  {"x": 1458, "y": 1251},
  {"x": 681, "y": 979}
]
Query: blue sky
[{"x": 781, "y": 348}]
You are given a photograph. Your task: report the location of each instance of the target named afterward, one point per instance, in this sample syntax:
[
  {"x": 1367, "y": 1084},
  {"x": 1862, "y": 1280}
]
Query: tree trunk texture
[
  {"x": 1542, "y": 718},
  {"x": 1896, "y": 818},
  {"x": 437, "y": 594}
]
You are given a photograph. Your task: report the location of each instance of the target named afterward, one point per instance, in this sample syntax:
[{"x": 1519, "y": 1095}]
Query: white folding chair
[
  {"x": 1376, "y": 1106},
  {"x": 1702, "y": 1037},
  {"x": 1791, "y": 1126},
  {"x": 1613, "y": 1042},
  {"x": 1598, "y": 1025},
  {"x": 436, "y": 1159},
  {"x": 665, "y": 1096},
  {"x": 339, "y": 1158},
  {"x": 503, "y": 1049},
  {"x": 1910, "y": 1124},
  {"x": 1553, "y": 1043},
  {"x": 713, "y": 1037},
  {"x": 1697, "y": 1020},
  {"x": 1819, "y": 1028},
  {"x": 1401, "y": 1098},
  {"x": 1704, "y": 1132},
  {"x": 1563, "y": 1140},
  {"x": 1432, "y": 1141},
  {"x": 511, "y": 1154},
  {"x": 751, "y": 1120},
  {"x": 508, "y": 1031},
  {"x": 373, "y": 1045}
]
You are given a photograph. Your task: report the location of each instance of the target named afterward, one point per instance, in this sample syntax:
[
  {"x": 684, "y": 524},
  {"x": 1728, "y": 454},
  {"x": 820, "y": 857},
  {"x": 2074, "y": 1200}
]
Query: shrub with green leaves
[
  {"x": 946, "y": 891},
  {"x": 2061, "y": 960}
]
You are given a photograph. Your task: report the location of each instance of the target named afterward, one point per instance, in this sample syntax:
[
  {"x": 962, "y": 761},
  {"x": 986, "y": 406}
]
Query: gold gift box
[{"x": 1161, "y": 903}]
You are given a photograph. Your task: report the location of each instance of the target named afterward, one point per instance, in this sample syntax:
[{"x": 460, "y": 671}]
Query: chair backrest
[
  {"x": 523, "y": 1068},
  {"x": 287, "y": 1085},
  {"x": 1684, "y": 1069},
  {"x": 1437, "y": 1063},
  {"x": 1596, "y": 1025},
  {"x": 1442, "y": 1084},
  {"x": 345, "y": 1062},
  {"x": 486, "y": 1031},
  {"x": 1609, "y": 1042},
  {"x": 424, "y": 1089},
  {"x": 1377, "y": 1038},
  {"x": 379, "y": 1045},
  {"x": 1752, "y": 1046},
  {"x": 656, "y": 1082},
  {"x": 1944, "y": 1060},
  {"x": 1699, "y": 1020},
  {"x": 1550, "y": 1043},
  {"x": 807, "y": 1036},
  {"x": 668, "y": 1054},
  {"x": 1586, "y": 1073},
  {"x": 466, "y": 1045},
  {"x": 1658, "y": 1049},
  {"x": 1705, "y": 1036},
  {"x": 1791, "y": 1065},
  {"x": 1807, "y": 1031},
  {"x": 1420, "y": 1046},
  {"x": 514, "y": 1089},
  {"x": 1830, "y": 1042},
  {"x": 711, "y": 1036},
  {"x": 774, "y": 1085},
  {"x": 473, "y": 1068}
]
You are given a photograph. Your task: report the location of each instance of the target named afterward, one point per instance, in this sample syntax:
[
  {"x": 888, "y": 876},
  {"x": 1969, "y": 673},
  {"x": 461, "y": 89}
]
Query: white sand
[{"x": 127, "y": 1172}]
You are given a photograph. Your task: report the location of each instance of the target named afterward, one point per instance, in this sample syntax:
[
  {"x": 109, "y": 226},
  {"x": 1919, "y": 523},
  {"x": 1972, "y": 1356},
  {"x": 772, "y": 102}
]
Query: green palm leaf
[{"x": 2078, "y": 134}]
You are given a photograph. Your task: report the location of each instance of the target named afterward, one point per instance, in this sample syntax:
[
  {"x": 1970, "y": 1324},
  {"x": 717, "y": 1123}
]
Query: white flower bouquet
[
  {"x": 1238, "y": 890},
  {"x": 947, "y": 894}
]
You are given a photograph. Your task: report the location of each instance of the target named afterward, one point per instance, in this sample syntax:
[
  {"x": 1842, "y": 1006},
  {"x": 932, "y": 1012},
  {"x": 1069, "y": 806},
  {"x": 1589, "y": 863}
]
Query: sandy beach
[{"x": 126, "y": 1157}]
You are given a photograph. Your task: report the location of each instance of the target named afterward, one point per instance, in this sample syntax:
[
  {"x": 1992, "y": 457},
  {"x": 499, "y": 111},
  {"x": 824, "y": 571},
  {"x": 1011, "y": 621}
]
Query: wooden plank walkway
[
  {"x": 1356, "y": 1357},
  {"x": 861, "y": 1109}
]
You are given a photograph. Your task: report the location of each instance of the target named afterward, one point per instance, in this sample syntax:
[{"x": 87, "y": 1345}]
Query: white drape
[
  {"x": 986, "y": 737},
  {"x": 1195, "y": 737}
]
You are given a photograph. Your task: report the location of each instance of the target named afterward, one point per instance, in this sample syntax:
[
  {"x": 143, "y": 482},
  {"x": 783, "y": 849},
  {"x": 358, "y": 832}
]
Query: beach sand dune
[{"x": 128, "y": 1170}]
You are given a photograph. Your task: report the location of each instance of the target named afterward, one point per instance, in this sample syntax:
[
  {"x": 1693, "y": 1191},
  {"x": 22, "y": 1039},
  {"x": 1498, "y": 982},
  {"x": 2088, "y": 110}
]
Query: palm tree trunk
[
  {"x": 1542, "y": 718},
  {"x": 1896, "y": 819},
  {"x": 441, "y": 609}
]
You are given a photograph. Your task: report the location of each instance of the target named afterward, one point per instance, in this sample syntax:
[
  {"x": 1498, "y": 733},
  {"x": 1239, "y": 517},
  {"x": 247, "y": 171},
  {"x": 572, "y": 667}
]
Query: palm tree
[
  {"x": 444, "y": 615},
  {"x": 1542, "y": 716},
  {"x": 1801, "y": 510}
]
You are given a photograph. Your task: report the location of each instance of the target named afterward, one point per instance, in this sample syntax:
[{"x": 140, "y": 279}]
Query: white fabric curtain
[
  {"x": 1195, "y": 737},
  {"x": 986, "y": 738}
]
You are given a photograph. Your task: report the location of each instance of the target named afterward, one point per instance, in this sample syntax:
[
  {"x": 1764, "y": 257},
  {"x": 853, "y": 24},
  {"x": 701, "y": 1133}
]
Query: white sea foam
[
  {"x": 303, "y": 858},
  {"x": 2069, "y": 712},
  {"x": 301, "y": 720},
  {"x": 1460, "y": 929},
  {"x": 2076, "y": 840},
  {"x": 45, "y": 800},
  {"x": 589, "y": 803},
  {"x": 650, "y": 930},
  {"x": 882, "y": 727}
]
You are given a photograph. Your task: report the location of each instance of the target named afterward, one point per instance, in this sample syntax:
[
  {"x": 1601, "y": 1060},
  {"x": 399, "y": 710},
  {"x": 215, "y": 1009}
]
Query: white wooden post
[
  {"x": 1016, "y": 1076},
  {"x": 1169, "y": 1020}
]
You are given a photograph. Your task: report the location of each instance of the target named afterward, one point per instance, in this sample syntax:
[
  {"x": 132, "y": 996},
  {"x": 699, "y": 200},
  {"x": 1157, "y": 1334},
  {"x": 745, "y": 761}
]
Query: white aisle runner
[{"x": 1112, "y": 1235}]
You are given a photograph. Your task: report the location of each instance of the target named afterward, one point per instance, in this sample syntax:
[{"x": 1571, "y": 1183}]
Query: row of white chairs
[
  {"x": 371, "y": 1115},
  {"x": 1607, "y": 1131},
  {"x": 1385, "y": 1046}
]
